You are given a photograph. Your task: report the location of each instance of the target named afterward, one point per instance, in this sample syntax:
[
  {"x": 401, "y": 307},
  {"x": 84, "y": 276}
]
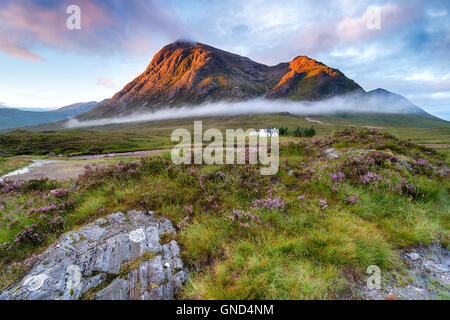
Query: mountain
[
  {"x": 78, "y": 108},
  {"x": 396, "y": 102},
  {"x": 192, "y": 73},
  {"x": 27, "y": 109},
  {"x": 15, "y": 118},
  {"x": 308, "y": 79},
  {"x": 185, "y": 73}
]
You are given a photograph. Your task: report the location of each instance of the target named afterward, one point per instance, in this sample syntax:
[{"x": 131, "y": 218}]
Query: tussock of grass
[{"x": 10, "y": 164}]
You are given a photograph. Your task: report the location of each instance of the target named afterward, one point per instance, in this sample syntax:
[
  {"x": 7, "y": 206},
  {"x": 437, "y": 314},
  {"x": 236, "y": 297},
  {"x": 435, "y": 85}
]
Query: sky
[{"x": 402, "y": 46}]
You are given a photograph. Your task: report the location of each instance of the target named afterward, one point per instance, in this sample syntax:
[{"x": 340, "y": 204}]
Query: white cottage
[{"x": 268, "y": 132}]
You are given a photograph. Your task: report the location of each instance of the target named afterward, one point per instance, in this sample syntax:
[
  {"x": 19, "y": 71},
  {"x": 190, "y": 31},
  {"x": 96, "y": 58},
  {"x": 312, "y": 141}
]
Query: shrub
[
  {"x": 304, "y": 132},
  {"x": 283, "y": 131},
  {"x": 298, "y": 132}
]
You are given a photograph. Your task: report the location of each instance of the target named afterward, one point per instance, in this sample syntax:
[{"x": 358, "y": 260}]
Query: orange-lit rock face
[
  {"x": 185, "y": 68},
  {"x": 307, "y": 68},
  {"x": 308, "y": 79},
  {"x": 304, "y": 64}
]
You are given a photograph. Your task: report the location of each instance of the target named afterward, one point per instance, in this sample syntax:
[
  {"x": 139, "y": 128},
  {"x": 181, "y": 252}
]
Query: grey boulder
[{"x": 121, "y": 257}]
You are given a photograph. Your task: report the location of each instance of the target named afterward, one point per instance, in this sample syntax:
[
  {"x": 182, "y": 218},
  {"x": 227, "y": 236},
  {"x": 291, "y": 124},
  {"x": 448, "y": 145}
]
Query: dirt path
[
  {"x": 372, "y": 127},
  {"x": 52, "y": 169},
  {"x": 122, "y": 154},
  {"x": 316, "y": 121},
  {"x": 435, "y": 145}
]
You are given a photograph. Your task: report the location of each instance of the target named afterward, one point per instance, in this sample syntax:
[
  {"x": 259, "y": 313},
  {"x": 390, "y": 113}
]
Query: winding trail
[
  {"x": 26, "y": 169},
  {"x": 121, "y": 154},
  {"x": 316, "y": 121}
]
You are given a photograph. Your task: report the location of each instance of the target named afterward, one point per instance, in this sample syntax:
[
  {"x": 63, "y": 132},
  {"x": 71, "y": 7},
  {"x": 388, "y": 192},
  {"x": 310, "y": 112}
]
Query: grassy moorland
[
  {"x": 156, "y": 134},
  {"x": 77, "y": 142},
  {"x": 306, "y": 232}
]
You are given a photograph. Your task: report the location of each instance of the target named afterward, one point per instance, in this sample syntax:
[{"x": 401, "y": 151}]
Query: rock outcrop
[
  {"x": 426, "y": 276},
  {"x": 125, "y": 256}
]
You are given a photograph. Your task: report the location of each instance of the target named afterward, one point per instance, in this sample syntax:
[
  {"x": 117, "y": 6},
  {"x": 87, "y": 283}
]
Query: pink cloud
[
  {"x": 106, "y": 82},
  {"x": 104, "y": 28},
  {"x": 28, "y": 24},
  {"x": 350, "y": 30},
  {"x": 13, "y": 49}
]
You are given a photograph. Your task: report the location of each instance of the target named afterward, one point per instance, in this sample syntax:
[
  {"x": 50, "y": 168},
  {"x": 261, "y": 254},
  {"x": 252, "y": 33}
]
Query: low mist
[{"x": 340, "y": 104}]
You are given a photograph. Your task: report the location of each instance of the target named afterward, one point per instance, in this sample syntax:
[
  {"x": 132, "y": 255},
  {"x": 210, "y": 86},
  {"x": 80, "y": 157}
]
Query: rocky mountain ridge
[{"x": 191, "y": 73}]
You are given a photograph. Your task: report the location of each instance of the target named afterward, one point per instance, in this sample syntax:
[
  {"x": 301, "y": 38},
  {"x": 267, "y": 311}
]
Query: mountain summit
[
  {"x": 191, "y": 73},
  {"x": 308, "y": 79}
]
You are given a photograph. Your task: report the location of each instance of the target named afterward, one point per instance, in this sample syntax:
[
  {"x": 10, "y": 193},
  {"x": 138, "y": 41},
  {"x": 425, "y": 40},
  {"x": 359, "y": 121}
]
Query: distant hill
[
  {"x": 391, "y": 120},
  {"x": 14, "y": 118},
  {"x": 395, "y": 101},
  {"x": 78, "y": 108}
]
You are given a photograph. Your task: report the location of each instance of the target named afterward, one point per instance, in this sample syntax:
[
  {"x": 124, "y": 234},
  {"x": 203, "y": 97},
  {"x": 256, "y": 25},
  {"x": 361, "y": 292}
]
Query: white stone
[
  {"x": 413, "y": 255},
  {"x": 137, "y": 235},
  {"x": 74, "y": 277},
  {"x": 35, "y": 282}
]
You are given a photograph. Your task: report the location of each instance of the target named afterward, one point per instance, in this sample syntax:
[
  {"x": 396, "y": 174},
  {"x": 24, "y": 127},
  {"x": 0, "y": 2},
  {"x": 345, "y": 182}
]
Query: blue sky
[{"x": 45, "y": 65}]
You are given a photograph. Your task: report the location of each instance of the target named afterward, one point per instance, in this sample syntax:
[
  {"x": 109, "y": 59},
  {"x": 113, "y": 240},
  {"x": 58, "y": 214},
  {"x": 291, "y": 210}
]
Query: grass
[
  {"x": 77, "y": 142},
  {"x": 156, "y": 134},
  {"x": 8, "y": 164},
  {"x": 285, "y": 248},
  {"x": 390, "y": 120}
]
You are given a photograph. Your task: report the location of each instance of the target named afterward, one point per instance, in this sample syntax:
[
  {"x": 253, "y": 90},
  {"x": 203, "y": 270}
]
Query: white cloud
[
  {"x": 426, "y": 76},
  {"x": 440, "y": 95},
  {"x": 339, "y": 104},
  {"x": 437, "y": 13}
]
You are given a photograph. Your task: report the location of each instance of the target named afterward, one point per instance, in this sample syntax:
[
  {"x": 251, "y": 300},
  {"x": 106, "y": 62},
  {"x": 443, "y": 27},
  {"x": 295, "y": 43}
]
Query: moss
[
  {"x": 133, "y": 265},
  {"x": 167, "y": 237},
  {"x": 91, "y": 294},
  {"x": 154, "y": 286},
  {"x": 137, "y": 290}
]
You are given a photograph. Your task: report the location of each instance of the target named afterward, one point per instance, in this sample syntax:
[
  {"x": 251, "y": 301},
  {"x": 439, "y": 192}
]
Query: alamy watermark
[
  {"x": 373, "y": 18},
  {"x": 73, "y": 22},
  {"x": 374, "y": 280},
  {"x": 236, "y": 150}
]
